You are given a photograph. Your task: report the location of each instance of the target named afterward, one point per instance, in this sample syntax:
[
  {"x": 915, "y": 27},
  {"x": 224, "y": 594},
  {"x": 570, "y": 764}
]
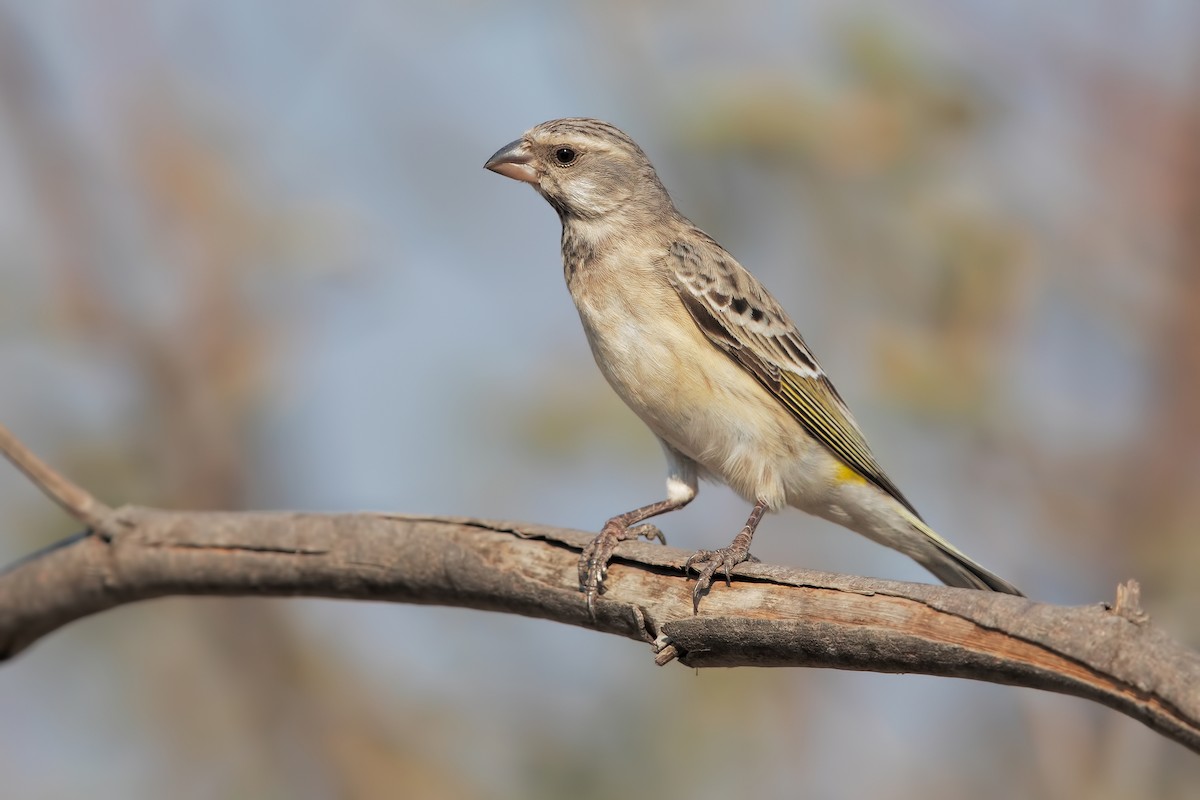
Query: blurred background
[{"x": 249, "y": 259}]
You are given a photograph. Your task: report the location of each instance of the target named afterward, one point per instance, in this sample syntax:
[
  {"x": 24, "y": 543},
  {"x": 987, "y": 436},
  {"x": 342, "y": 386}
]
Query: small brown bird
[{"x": 709, "y": 360}]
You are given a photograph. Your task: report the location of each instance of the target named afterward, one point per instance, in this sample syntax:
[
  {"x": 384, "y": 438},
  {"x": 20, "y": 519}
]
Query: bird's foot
[
  {"x": 707, "y": 562},
  {"x": 593, "y": 563}
]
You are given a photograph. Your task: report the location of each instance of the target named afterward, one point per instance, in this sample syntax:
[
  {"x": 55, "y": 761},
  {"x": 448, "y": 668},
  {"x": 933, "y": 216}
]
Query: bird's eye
[{"x": 564, "y": 155}]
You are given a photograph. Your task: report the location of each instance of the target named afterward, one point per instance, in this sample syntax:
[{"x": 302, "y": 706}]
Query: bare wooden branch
[{"x": 771, "y": 616}]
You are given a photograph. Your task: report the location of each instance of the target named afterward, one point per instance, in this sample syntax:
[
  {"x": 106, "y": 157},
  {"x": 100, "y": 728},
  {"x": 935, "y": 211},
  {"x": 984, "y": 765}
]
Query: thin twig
[{"x": 73, "y": 499}]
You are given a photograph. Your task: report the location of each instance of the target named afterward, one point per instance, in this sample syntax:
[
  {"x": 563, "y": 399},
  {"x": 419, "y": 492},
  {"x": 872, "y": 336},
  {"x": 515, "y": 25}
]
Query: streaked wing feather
[{"x": 740, "y": 318}]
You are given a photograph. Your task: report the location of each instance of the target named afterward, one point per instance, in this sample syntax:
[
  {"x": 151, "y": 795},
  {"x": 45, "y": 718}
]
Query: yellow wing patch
[
  {"x": 740, "y": 318},
  {"x": 845, "y": 474}
]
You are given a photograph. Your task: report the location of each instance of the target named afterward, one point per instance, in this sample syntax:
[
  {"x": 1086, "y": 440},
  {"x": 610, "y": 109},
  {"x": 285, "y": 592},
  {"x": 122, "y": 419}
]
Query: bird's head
[{"x": 585, "y": 168}]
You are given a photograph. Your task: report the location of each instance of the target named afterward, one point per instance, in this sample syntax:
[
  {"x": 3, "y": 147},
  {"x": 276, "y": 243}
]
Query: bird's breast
[
  {"x": 636, "y": 336},
  {"x": 690, "y": 394}
]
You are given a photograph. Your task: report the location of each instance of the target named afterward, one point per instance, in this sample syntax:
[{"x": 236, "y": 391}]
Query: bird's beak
[{"x": 514, "y": 161}]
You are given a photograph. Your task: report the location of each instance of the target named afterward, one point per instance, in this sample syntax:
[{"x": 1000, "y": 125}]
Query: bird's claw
[
  {"x": 593, "y": 562},
  {"x": 648, "y": 532},
  {"x": 707, "y": 562}
]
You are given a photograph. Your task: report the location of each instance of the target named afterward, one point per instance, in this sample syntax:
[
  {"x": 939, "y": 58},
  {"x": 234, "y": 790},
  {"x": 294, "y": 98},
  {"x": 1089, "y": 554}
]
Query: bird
[{"x": 709, "y": 360}]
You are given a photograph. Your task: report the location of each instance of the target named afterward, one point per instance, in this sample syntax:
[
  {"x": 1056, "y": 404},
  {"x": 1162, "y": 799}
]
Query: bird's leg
[
  {"x": 707, "y": 562},
  {"x": 593, "y": 564}
]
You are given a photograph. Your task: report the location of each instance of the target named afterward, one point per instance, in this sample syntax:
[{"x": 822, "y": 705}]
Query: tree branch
[
  {"x": 772, "y": 616},
  {"x": 74, "y": 500}
]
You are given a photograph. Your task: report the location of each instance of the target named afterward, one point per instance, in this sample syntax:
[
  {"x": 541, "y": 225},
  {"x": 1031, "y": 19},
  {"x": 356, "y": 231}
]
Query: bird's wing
[{"x": 740, "y": 318}]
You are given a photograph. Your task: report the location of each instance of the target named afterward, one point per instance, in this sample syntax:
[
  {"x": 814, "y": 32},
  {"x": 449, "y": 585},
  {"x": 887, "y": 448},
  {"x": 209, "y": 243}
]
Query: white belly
[{"x": 695, "y": 397}]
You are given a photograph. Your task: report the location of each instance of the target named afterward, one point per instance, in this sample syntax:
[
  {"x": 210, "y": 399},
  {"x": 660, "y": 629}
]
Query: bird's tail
[{"x": 953, "y": 567}]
